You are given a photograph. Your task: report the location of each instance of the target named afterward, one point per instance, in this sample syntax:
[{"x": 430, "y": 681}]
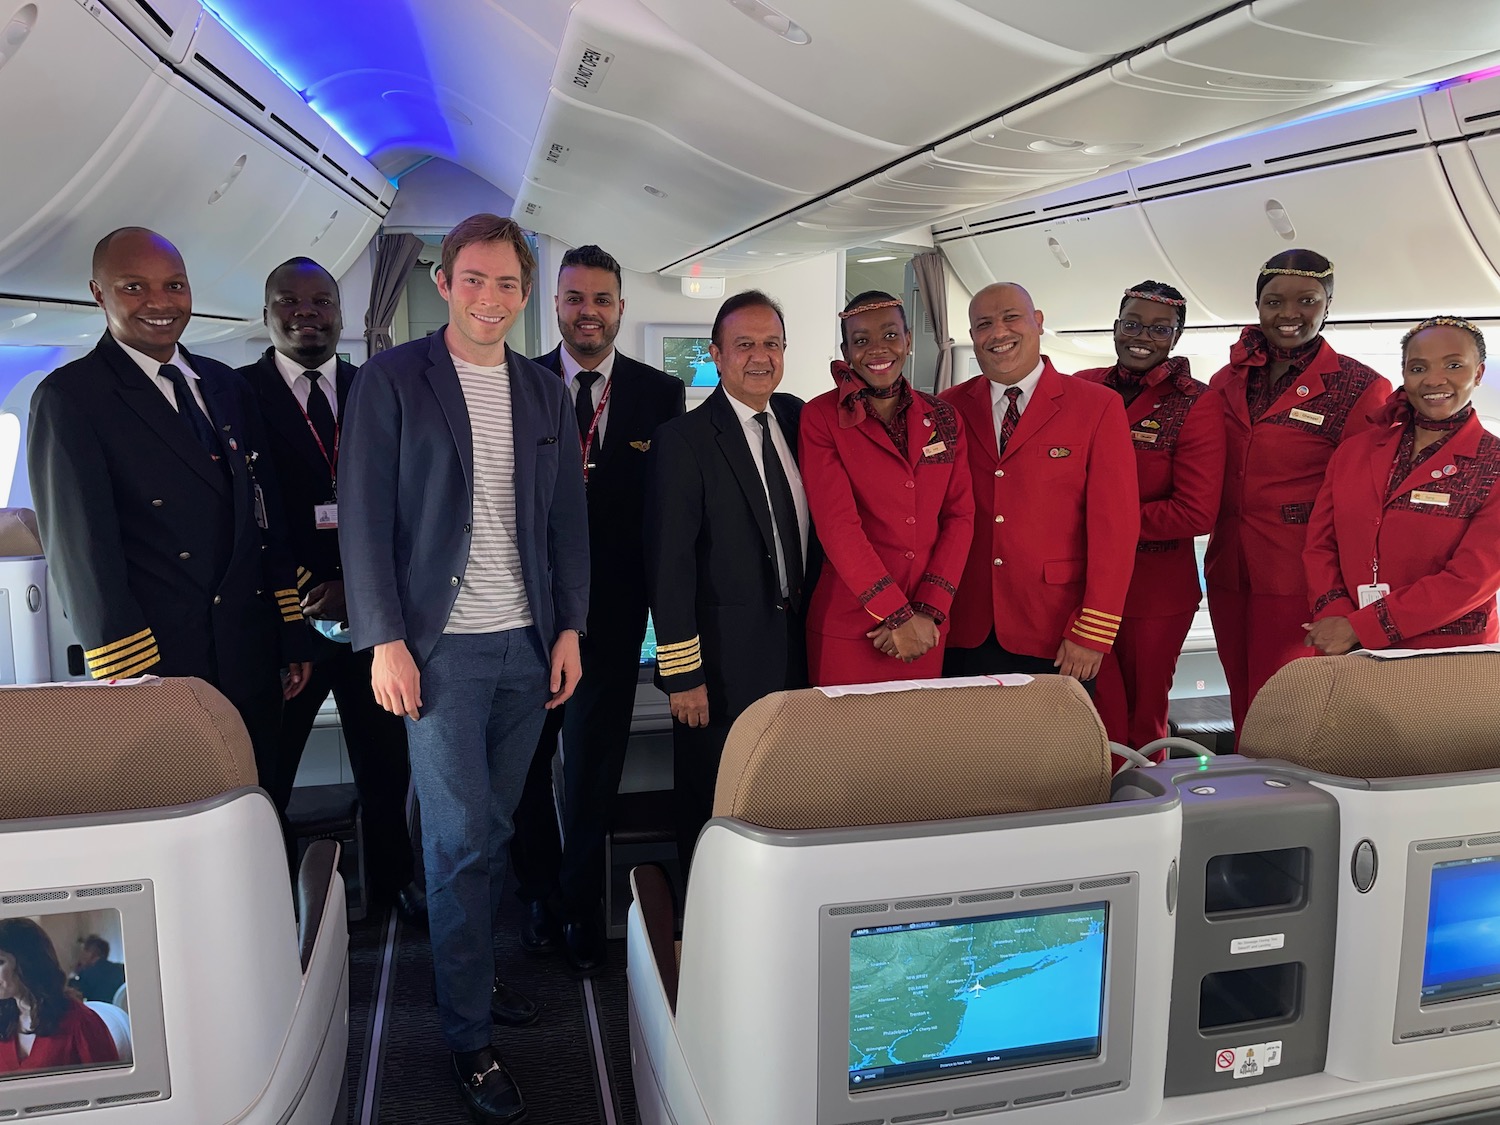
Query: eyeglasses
[{"x": 1155, "y": 331}]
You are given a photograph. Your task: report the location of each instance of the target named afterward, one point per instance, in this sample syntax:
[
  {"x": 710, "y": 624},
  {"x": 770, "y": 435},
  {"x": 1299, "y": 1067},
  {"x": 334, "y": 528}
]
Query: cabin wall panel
[{"x": 166, "y": 26}]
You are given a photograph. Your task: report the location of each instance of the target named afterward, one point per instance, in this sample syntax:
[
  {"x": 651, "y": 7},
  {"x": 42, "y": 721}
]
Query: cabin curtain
[
  {"x": 395, "y": 255},
  {"x": 933, "y": 280}
]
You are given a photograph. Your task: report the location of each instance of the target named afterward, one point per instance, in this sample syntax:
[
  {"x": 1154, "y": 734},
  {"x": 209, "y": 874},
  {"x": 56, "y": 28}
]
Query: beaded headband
[
  {"x": 891, "y": 304},
  {"x": 1269, "y": 271},
  {"x": 1175, "y": 302},
  {"x": 1447, "y": 322}
]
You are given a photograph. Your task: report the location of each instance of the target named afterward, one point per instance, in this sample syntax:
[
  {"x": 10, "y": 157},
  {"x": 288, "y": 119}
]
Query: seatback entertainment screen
[
  {"x": 942, "y": 998},
  {"x": 1462, "y": 957},
  {"x": 63, "y": 999}
]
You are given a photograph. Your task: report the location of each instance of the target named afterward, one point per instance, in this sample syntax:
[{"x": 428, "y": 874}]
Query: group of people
[{"x": 493, "y": 530}]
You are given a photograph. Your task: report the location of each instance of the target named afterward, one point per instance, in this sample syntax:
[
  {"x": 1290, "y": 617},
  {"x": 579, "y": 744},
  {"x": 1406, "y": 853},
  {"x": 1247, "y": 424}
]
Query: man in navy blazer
[{"x": 464, "y": 536}]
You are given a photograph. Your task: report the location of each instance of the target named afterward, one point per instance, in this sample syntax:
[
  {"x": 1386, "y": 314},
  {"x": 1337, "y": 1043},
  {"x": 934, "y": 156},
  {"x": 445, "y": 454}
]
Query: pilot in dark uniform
[
  {"x": 302, "y": 386},
  {"x": 162, "y": 533}
]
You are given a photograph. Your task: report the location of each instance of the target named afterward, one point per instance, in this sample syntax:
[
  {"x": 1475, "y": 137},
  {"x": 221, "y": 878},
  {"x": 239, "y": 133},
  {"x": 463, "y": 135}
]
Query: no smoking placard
[{"x": 1249, "y": 1060}]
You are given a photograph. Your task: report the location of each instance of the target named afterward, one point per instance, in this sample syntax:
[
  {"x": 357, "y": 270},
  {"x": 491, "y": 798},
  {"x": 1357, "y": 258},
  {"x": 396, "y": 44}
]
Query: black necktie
[
  {"x": 320, "y": 414},
  {"x": 583, "y": 402},
  {"x": 190, "y": 411},
  {"x": 783, "y": 511}
]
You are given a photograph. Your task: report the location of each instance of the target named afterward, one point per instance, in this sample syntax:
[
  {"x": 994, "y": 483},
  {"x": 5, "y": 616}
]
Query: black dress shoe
[
  {"x": 411, "y": 904},
  {"x": 536, "y": 928},
  {"x": 583, "y": 946},
  {"x": 487, "y": 1088},
  {"x": 509, "y": 1007}
]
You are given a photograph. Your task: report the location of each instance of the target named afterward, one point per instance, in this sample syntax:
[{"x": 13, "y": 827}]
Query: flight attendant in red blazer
[
  {"x": 1056, "y": 509},
  {"x": 1289, "y": 400},
  {"x": 1404, "y": 546},
  {"x": 887, "y": 483},
  {"x": 1177, "y": 429}
]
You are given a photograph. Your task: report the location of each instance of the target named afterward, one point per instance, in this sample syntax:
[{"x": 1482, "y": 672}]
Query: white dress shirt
[
  {"x": 746, "y": 415},
  {"x": 152, "y": 368},
  {"x": 999, "y": 403},
  {"x": 296, "y": 378},
  {"x": 571, "y": 367}
]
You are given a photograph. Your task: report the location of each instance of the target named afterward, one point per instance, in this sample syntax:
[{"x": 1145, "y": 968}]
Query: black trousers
[
  {"x": 696, "y": 751},
  {"x": 376, "y": 741},
  {"x": 595, "y": 729},
  {"x": 991, "y": 659}
]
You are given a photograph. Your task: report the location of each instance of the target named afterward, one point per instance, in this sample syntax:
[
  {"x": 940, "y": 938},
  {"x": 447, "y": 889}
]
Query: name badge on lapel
[
  {"x": 1307, "y": 416},
  {"x": 1149, "y": 439},
  {"x": 1437, "y": 499},
  {"x": 326, "y": 516},
  {"x": 934, "y": 449}
]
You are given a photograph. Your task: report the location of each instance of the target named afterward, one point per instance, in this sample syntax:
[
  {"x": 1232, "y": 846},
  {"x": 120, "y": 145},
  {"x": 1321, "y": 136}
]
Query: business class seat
[
  {"x": 907, "y": 801},
  {"x": 24, "y": 658},
  {"x": 1410, "y": 749},
  {"x": 141, "y": 799}
]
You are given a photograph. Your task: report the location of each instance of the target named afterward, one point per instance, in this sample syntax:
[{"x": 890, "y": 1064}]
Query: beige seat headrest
[
  {"x": 71, "y": 749},
  {"x": 19, "y": 537},
  {"x": 798, "y": 759},
  {"x": 1357, "y": 716}
]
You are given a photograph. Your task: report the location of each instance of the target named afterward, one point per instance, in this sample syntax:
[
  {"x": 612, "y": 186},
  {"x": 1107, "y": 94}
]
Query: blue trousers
[{"x": 482, "y": 697}]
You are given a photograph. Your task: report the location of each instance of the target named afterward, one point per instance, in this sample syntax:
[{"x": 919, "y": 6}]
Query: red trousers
[
  {"x": 1136, "y": 677},
  {"x": 1257, "y": 634},
  {"x": 832, "y": 661}
]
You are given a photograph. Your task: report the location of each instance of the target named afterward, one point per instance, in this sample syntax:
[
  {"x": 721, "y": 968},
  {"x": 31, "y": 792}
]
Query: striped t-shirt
[{"x": 492, "y": 596}]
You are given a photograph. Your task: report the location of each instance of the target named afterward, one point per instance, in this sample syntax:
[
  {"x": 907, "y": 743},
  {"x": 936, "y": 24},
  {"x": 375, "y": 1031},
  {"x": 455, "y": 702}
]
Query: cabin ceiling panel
[
  {"x": 902, "y": 71},
  {"x": 1092, "y": 28},
  {"x": 70, "y": 69},
  {"x": 621, "y": 58},
  {"x": 1076, "y": 267},
  {"x": 1390, "y": 225},
  {"x": 692, "y": 200}
]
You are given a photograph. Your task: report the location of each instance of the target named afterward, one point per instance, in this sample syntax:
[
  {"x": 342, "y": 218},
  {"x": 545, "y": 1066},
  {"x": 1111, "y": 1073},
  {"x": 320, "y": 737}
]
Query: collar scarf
[
  {"x": 1398, "y": 409},
  {"x": 1176, "y": 370},
  {"x": 1253, "y": 350},
  {"x": 854, "y": 392}
]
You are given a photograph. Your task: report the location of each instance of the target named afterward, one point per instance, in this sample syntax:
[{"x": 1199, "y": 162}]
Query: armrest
[
  {"x": 320, "y": 866},
  {"x": 653, "y": 894}
]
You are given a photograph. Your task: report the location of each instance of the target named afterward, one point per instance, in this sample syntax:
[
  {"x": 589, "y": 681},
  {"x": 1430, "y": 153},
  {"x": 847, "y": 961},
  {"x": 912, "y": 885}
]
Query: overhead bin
[
  {"x": 1076, "y": 267},
  {"x": 1390, "y": 225},
  {"x": 1322, "y": 140},
  {"x": 108, "y": 89},
  {"x": 166, "y": 26},
  {"x": 1473, "y": 169},
  {"x": 1476, "y": 105}
]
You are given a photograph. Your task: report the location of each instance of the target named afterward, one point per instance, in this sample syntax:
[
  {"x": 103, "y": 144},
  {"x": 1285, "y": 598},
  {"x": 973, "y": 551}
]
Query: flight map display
[{"x": 942, "y": 998}]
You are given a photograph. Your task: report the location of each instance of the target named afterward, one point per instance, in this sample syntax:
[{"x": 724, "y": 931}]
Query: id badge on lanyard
[
  {"x": 326, "y": 516},
  {"x": 586, "y": 441},
  {"x": 1375, "y": 589}
]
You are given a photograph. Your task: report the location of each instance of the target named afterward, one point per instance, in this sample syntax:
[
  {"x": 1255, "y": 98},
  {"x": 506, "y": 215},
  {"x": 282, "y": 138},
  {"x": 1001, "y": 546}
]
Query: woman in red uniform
[
  {"x": 1404, "y": 547},
  {"x": 42, "y": 1027},
  {"x": 1177, "y": 428},
  {"x": 1289, "y": 401},
  {"x": 888, "y": 489}
]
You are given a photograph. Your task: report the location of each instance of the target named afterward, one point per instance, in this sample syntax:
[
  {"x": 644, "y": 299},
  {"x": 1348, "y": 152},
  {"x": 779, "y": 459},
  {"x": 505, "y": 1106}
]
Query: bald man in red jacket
[{"x": 1057, "y": 509}]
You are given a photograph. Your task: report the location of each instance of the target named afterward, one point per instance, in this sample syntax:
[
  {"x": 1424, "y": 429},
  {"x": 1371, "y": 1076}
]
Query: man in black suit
[
  {"x": 619, "y": 403},
  {"x": 161, "y": 520},
  {"x": 729, "y": 556},
  {"x": 302, "y": 386}
]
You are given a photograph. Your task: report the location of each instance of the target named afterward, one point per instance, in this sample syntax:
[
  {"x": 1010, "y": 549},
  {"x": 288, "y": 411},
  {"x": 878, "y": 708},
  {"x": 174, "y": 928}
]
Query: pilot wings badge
[{"x": 641, "y": 445}]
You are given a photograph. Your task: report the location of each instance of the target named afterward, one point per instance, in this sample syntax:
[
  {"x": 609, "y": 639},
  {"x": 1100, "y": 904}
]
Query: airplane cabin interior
[{"x": 928, "y": 902}]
